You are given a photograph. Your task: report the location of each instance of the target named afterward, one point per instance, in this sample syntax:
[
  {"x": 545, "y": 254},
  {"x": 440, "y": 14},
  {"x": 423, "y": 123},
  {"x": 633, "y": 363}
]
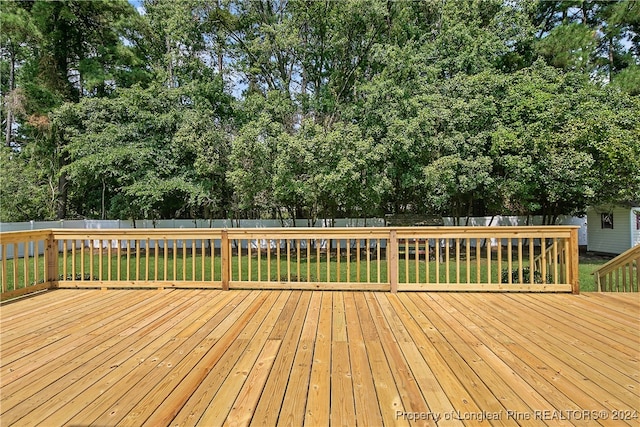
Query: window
[
  {"x": 637, "y": 220},
  {"x": 606, "y": 220}
]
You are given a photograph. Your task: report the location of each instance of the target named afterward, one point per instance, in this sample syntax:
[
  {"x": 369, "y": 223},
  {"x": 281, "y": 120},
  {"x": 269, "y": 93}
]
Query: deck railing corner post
[
  {"x": 574, "y": 257},
  {"x": 51, "y": 260}
]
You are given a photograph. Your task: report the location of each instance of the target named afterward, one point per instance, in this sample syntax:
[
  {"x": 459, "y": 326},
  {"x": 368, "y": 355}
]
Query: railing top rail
[
  {"x": 288, "y": 232},
  {"x": 140, "y": 233},
  {"x": 339, "y": 230},
  {"x": 616, "y": 262},
  {"x": 23, "y": 235}
]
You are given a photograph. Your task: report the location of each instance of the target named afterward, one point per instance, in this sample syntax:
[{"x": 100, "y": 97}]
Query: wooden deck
[{"x": 211, "y": 357}]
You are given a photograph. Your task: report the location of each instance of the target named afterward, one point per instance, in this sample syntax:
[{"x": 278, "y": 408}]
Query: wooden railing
[
  {"x": 29, "y": 262},
  {"x": 621, "y": 274},
  {"x": 490, "y": 258},
  {"x": 384, "y": 259}
]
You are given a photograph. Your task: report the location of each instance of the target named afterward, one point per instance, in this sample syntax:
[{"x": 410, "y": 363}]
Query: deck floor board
[{"x": 269, "y": 357}]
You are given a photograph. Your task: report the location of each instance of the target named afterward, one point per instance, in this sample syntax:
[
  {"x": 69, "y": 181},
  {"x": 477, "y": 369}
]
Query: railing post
[
  {"x": 226, "y": 260},
  {"x": 573, "y": 263},
  {"x": 51, "y": 261},
  {"x": 392, "y": 247}
]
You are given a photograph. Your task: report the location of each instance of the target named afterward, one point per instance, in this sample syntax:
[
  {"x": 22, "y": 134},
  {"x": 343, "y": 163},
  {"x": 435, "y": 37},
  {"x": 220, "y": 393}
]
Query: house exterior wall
[{"x": 609, "y": 240}]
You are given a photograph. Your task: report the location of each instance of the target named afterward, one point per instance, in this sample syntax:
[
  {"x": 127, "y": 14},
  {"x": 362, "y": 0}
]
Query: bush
[{"x": 526, "y": 276}]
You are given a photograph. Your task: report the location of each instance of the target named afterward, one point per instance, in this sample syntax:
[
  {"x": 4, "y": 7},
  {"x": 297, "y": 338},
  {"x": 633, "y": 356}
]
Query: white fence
[{"x": 496, "y": 221}]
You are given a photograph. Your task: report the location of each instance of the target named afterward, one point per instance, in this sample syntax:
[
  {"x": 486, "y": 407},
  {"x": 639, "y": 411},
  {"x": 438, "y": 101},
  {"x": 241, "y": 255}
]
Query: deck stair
[{"x": 621, "y": 274}]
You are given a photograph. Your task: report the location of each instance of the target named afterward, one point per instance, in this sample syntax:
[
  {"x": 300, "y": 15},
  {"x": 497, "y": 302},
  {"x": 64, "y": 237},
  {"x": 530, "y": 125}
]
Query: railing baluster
[
  {"x": 73, "y": 260},
  {"x": 555, "y": 261},
  {"x": 427, "y": 260},
  {"x": 259, "y": 260},
  {"x": 91, "y": 244},
  {"x": 288, "y": 246},
  {"x": 64, "y": 259},
  {"x": 532, "y": 263},
  {"x": 368, "y": 260},
  {"x": 212, "y": 261},
  {"x": 225, "y": 254},
  {"x": 468, "y": 260},
  {"x": 239, "y": 250},
  {"x": 438, "y": 261},
  {"x": 563, "y": 261},
  {"x": 174, "y": 254},
  {"x": 509, "y": 260},
  {"x": 184, "y": 260},
  {"x": 348, "y": 260},
  {"x": 338, "y": 243},
  {"x": 5, "y": 286},
  {"x": 378, "y": 244},
  {"x": 156, "y": 259},
  {"x": 165, "y": 259},
  {"x": 417, "y": 261},
  {"x": 478, "y": 256},
  {"x": 358, "y": 261},
  {"x": 318, "y": 260},
  {"x": 490, "y": 260},
  {"x": 128, "y": 260},
  {"x": 406, "y": 260},
  {"x": 447, "y": 261},
  {"x": 268, "y": 260},
  {"x": 100, "y": 260},
  {"x": 278, "y": 267},
  {"x": 308, "y": 260},
  {"x": 36, "y": 260},
  {"x": 520, "y": 271},
  {"x": 458, "y": 260},
  {"x": 249, "y": 260},
  {"x": 109, "y": 263},
  {"x": 543, "y": 249},
  {"x": 194, "y": 248},
  {"x": 328, "y": 252},
  {"x": 298, "y": 270},
  {"x": 25, "y": 262}
]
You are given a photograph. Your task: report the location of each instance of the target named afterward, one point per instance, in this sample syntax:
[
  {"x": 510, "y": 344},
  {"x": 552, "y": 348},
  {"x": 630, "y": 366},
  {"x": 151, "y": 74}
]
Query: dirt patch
[{"x": 594, "y": 257}]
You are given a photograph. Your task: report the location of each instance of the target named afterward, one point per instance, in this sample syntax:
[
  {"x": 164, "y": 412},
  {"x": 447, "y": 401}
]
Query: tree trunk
[
  {"x": 610, "y": 58},
  {"x": 9, "y": 123},
  {"x": 8, "y": 105},
  {"x": 62, "y": 196},
  {"x": 103, "y": 214}
]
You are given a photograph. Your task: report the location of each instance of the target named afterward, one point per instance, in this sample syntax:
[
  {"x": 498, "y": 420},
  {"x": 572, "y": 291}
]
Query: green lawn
[
  {"x": 184, "y": 268},
  {"x": 587, "y": 266}
]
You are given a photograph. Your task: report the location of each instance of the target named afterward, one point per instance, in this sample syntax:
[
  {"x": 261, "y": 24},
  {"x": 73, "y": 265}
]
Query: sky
[{"x": 138, "y": 5}]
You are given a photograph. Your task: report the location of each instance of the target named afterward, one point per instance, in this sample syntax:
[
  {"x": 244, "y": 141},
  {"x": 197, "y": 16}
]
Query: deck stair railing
[
  {"x": 621, "y": 274},
  {"x": 353, "y": 258},
  {"x": 550, "y": 253}
]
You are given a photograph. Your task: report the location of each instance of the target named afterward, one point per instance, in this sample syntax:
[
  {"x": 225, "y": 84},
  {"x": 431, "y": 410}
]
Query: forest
[{"x": 317, "y": 108}]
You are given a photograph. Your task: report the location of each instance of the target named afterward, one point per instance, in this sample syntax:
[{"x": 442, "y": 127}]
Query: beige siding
[{"x": 613, "y": 241}]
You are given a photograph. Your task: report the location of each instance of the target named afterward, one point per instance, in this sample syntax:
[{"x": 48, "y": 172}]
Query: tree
[
  {"x": 130, "y": 153},
  {"x": 16, "y": 43},
  {"x": 564, "y": 143}
]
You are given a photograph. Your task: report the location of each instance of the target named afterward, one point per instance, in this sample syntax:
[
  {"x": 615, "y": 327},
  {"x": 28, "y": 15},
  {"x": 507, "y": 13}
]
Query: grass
[
  {"x": 87, "y": 266},
  {"x": 586, "y": 267}
]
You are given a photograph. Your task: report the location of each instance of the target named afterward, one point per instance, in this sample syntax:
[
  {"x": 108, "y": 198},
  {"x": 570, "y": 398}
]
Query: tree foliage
[{"x": 323, "y": 109}]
